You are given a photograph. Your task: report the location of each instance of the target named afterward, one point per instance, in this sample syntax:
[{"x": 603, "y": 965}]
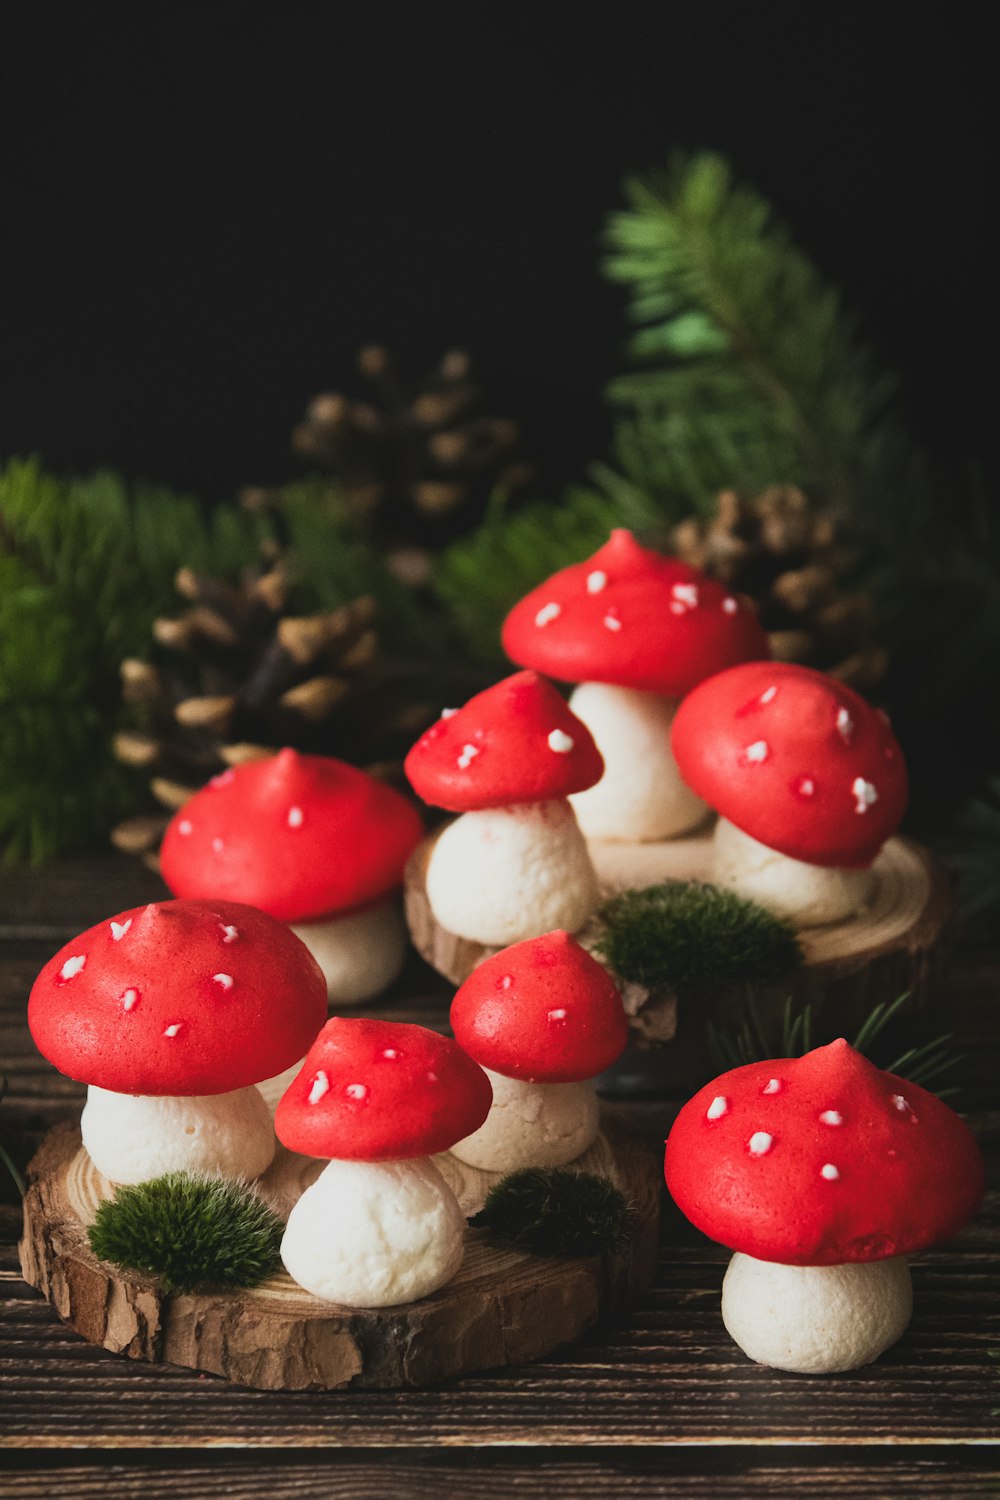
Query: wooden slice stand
[
  {"x": 893, "y": 945},
  {"x": 504, "y": 1307}
]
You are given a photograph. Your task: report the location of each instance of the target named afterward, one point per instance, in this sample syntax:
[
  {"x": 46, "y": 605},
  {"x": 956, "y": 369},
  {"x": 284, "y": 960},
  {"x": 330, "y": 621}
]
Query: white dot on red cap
[
  {"x": 119, "y": 929},
  {"x": 229, "y": 934},
  {"x": 218, "y": 845},
  {"x": 390, "y": 1052},
  {"x": 432, "y": 1078},
  {"x": 829, "y": 1172},
  {"x": 172, "y": 1030},
  {"x": 612, "y": 622},
  {"x": 865, "y": 794},
  {"x": 557, "y": 1015},
  {"x": 832, "y": 1117},
  {"x": 225, "y": 981},
  {"x": 805, "y": 786},
  {"x": 729, "y": 606},
  {"x": 547, "y": 613},
  {"x": 596, "y": 581},
  {"x": 320, "y": 1086},
  {"x": 356, "y": 1091},
  {"x": 845, "y": 724},
  {"x": 72, "y": 966},
  {"x": 718, "y": 1107},
  {"x": 771, "y": 1086},
  {"x": 468, "y": 755},
  {"x": 295, "y": 817},
  {"x": 900, "y": 1103},
  {"x": 184, "y": 826},
  {"x": 686, "y": 594},
  {"x": 129, "y": 999},
  {"x": 448, "y": 713},
  {"x": 560, "y": 742},
  {"x": 767, "y": 696},
  {"x": 760, "y": 1143},
  {"x": 506, "y": 981},
  {"x": 757, "y": 752}
]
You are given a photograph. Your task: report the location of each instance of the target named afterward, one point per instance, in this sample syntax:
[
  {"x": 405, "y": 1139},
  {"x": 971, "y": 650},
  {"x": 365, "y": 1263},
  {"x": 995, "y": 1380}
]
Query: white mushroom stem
[
  {"x": 509, "y": 873},
  {"x": 360, "y": 953},
  {"x": 375, "y": 1234},
  {"x": 641, "y": 797},
  {"x": 133, "y": 1137},
  {"x": 532, "y": 1125},
  {"x": 807, "y": 895},
  {"x": 816, "y": 1320}
]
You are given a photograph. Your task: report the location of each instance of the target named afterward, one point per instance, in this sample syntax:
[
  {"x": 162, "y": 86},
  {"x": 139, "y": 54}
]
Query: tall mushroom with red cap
[
  {"x": 637, "y": 630},
  {"x": 380, "y": 1226},
  {"x": 515, "y": 863},
  {"x": 808, "y": 779},
  {"x": 821, "y": 1173},
  {"x": 314, "y": 842},
  {"x": 543, "y": 1018},
  {"x": 171, "y": 1013}
]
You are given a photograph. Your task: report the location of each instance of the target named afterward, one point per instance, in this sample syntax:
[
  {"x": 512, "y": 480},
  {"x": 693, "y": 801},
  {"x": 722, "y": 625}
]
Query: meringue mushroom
[
  {"x": 637, "y": 631},
  {"x": 315, "y": 842},
  {"x": 542, "y": 1018},
  {"x": 380, "y": 1226},
  {"x": 822, "y": 1173},
  {"x": 809, "y": 782},
  {"x": 515, "y": 864},
  {"x": 171, "y": 1013}
]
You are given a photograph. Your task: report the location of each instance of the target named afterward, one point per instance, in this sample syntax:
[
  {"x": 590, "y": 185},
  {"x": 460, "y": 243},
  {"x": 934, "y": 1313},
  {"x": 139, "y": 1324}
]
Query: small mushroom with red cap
[
  {"x": 543, "y": 1018},
  {"x": 380, "y": 1226},
  {"x": 808, "y": 779},
  {"x": 314, "y": 842},
  {"x": 637, "y": 630},
  {"x": 515, "y": 864},
  {"x": 822, "y": 1173},
  {"x": 171, "y": 1013}
]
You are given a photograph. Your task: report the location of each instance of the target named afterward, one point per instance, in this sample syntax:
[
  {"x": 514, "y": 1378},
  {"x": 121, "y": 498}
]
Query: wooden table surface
[{"x": 664, "y": 1404}]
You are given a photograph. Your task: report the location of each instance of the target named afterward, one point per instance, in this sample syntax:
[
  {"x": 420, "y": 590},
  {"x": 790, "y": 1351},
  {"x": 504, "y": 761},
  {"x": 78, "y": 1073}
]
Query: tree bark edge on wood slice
[{"x": 504, "y": 1307}]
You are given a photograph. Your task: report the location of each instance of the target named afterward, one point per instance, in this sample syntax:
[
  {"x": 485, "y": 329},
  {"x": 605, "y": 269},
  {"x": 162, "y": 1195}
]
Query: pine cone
[
  {"x": 418, "y": 466},
  {"x": 238, "y": 678},
  {"x": 793, "y": 561}
]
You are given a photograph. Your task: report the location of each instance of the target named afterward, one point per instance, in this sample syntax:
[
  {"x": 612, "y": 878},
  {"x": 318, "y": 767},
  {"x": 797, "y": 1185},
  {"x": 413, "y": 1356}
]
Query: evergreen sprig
[
  {"x": 748, "y": 369},
  {"x": 695, "y": 939},
  {"x": 550, "y": 1211},
  {"x": 192, "y": 1231},
  {"x": 85, "y": 565}
]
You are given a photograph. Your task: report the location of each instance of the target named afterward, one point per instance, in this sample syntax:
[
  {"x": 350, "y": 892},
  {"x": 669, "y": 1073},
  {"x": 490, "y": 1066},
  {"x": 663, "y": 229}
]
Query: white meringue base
[
  {"x": 360, "y": 954},
  {"x": 271, "y": 1089},
  {"x": 375, "y": 1234},
  {"x": 641, "y": 797},
  {"x": 532, "y": 1125},
  {"x": 807, "y": 895},
  {"x": 816, "y": 1320},
  {"x": 505, "y": 874},
  {"x": 133, "y": 1137}
]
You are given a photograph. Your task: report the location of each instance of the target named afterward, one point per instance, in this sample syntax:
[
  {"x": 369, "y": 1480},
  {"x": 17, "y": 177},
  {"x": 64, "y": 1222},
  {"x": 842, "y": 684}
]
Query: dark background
[{"x": 207, "y": 210}]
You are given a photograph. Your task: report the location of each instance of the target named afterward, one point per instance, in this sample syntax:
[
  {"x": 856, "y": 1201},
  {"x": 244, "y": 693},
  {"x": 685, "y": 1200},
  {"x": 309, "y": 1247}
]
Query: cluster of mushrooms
[{"x": 201, "y": 1023}]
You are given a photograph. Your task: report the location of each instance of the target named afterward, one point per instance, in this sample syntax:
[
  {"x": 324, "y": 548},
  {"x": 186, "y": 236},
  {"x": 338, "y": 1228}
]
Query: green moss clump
[
  {"x": 550, "y": 1211},
  {"x": 192, "y": 1231},
  {"x": 695, "y": 939}
]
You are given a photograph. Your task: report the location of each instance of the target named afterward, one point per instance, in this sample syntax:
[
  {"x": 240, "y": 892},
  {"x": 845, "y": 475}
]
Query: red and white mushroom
[
  {"x": 314, "y": 842},
  {"x": 380, "y": 1226},
  {"x": 808, "y": 779},
  {"x": 637, "y": 630},
  {"x": 821, "y": 1173},
  {"x": 514, "y": 864},
  {"x": 543, "y": 1018},
  {"x": 171, "y": 1013}
]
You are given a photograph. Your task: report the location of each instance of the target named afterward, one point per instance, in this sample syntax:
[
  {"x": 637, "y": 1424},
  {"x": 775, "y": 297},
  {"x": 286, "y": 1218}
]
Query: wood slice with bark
[{"x": 505, "y": 1306}]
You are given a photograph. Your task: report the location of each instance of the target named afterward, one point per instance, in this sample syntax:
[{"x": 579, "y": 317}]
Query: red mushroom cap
[
  {"x": 179, "y": 997},
  {"x": 542, "y": 1010},
  {"x": 634, "y": 618},
  {"x": 516, "y": 742},
  {"x": 300, "y": 836},
  {"x": 822, "y": 1160},
  {"x": 382, "y": 1091},
  {"x": 798, "y": 761}
]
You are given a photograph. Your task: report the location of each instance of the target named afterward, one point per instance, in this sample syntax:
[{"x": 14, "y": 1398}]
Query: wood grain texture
[
  {"x": 503, "y": 1307},
  {"x": 666, "y": 1384}
]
